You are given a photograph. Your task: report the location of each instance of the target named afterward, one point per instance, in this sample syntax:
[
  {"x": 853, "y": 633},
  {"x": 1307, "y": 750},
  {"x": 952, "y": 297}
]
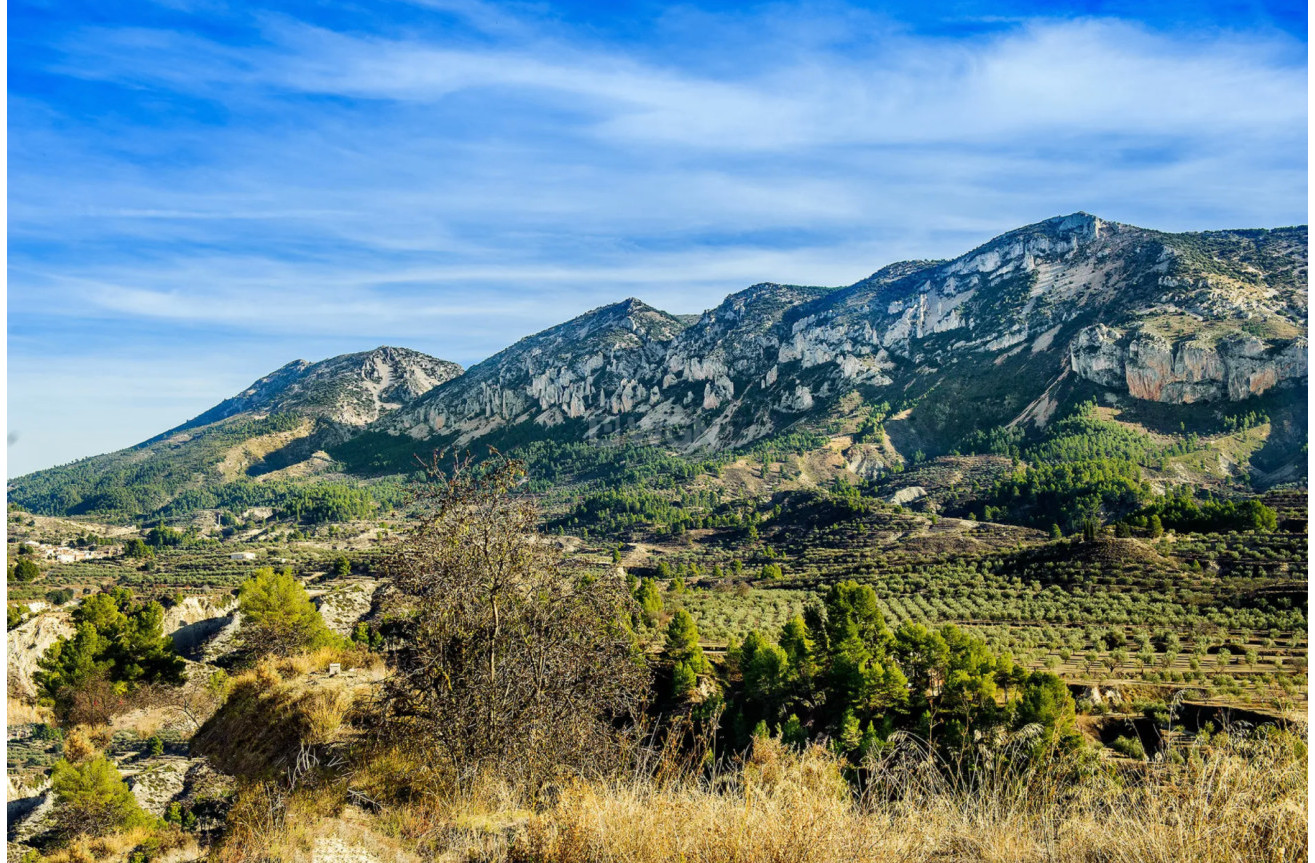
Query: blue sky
[{"x": 202, "y": 191}]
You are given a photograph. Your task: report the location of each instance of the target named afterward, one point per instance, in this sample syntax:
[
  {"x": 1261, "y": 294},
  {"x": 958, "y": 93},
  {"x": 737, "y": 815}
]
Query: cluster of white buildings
[{"x": 67, "y": 554}]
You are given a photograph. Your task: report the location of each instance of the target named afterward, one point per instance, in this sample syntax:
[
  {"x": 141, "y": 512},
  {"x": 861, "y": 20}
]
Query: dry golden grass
[
  {"x": 169, "y": 844},
  {"x": 20, "y": 712},
  {"x": 324, "y": 711},
  {"x": 320, "y": 658},
  {"x": 1244, "y": 801},
  {"x": 1238, "y": 800}
]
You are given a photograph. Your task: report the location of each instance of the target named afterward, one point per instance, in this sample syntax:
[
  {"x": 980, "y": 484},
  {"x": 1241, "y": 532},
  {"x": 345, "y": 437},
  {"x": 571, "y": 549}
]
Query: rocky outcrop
[
  {"x": 907, "y": 495},
  {"x": 991, "y": 338},
  {"x": 198, "y": 622},
  {"x": 27, "y": 643},
  {"x": 28, "y": 817},
  {"x": 159, "y": 782},
  {"x": 1151, "y": 367},
  {"x": 349, "y": 390},
  {"x": 341, "y": 606},
  {"x": 596, "y": 368},
  {"x": 771, "y": 354}
]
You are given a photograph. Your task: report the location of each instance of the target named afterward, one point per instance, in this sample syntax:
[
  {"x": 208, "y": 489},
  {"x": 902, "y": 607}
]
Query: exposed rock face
[
  {"x": 598, "y": 366},
  {"x": 342, "y": 606},
  {"x": 27, "y": 643},
  {"x": 159, "y": 782},
  {"x": 772, "y": 354},
  {"x": 1151, "y": 367},
  {"x": 350, "y": 390},
  {"x": 28, "y": 817},
  {"x": 907, "y": 495},
  {"x": 198, "y": 622},
  {"x": 1001, "y": 335}
]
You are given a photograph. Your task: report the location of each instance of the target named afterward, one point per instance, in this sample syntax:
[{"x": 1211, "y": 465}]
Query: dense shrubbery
[
  {"x": 123, "y": 484},
  {"x": 323, "y": 503},
  {"x": 840, "y": 673},
  {"x": 1185, "y": 514},
  {"x": 1072, "y": 492},
  {"x": 23, "y": 570},
  {"x": 93, "y": 798},
  {"x": 613, "y": 513},
  {"x": 118, "y": 644}
]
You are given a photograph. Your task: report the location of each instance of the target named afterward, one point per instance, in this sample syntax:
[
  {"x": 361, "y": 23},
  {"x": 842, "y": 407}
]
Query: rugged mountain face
[
  {"x": 1154, "y": 368},
  {"x": 998, "y": 335},
  {"x": 277, "y": 428},
  {"x": 1005, "y": 335},
  {"x": 350, "y": 390},
  {"x": 596, "y": 366}
]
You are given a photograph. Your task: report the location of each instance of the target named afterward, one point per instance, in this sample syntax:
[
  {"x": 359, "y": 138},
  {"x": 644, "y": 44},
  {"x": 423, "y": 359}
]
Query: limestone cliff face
[
  {"x": 25, "y": 645},
  {"x": 350, "y": 390},
  {"x": 1151, "y": 367},
  {"x": 997, "y": 337},
  {"x": 601, "y": 365},
  {"x": 1074, "y": 291}
]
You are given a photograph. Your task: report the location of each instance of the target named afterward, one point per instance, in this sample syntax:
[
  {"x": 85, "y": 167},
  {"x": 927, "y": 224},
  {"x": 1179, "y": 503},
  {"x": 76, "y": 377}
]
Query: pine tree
[
  {"x": 794, "y": 733},
  {"x": 278, "y": 615},
  {"x": 93, "y": 798},
  {"x": 650, "y": 600},
  {"x": 683, "y": 643},
  {"x": 683, "y": 680}
]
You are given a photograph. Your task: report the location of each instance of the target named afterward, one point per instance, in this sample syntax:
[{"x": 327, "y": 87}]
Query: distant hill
[
  {"x": 351, "y": 390},
  {"x": 1176, "y": 333},
  {"x": 276, "y": 429}
]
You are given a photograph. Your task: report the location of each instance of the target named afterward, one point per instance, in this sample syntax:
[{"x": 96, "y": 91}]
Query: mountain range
[{"x": 1170, "y": 328}]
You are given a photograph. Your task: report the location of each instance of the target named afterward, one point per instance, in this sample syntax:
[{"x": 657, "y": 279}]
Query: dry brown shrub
[
  {"x": 117, "y": 846},
  {"x": 78, "y": 746},
  {"x": 95, "y": 702},
  {"x": 502, "y": 658},
  {"x": 101, "y": 735},
  {"x": 324, "y": 711}
]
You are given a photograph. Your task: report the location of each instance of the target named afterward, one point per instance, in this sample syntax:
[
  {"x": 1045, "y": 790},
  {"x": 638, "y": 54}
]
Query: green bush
[
  {"x": 117, "y": 640},
  {"x": 1129, "y": 746},
  {"x": 278, "y": 616},
  {"x": 14, "y": 615},
  {"x": 24, "y": 571},
  {"x": 92, "y": 798}
]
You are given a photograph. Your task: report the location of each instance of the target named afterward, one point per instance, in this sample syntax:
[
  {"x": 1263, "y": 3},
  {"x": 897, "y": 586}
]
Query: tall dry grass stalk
[
  {"x": 1238, "y": 798},
  {"x": 1242, "y": 800}
]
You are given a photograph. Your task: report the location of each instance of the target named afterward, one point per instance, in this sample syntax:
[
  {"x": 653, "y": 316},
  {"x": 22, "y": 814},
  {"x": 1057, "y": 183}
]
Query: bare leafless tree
[{"x": 501, "y": 655}]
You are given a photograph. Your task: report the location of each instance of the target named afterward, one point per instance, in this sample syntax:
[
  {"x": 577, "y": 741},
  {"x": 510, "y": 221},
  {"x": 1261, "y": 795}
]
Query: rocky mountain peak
[
  {"x": 351, "y": 389},
  {"x": 1017, "y": 310}
]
